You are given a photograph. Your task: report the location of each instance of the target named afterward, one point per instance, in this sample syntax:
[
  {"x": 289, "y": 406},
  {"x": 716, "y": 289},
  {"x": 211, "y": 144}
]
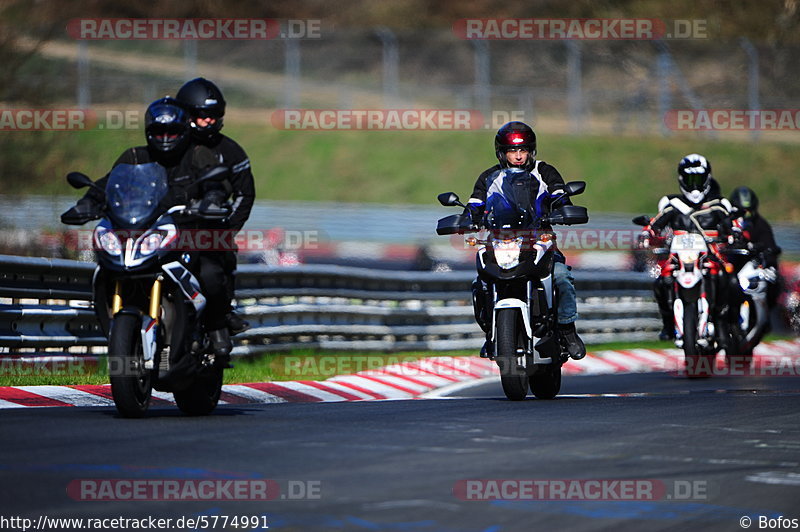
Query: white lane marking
[
  {"x": 412, "y": 503},
  {"x": 252, "y": 394},
  {"x": 784, "y": 478},
  {"x": 68, "y": 395}
]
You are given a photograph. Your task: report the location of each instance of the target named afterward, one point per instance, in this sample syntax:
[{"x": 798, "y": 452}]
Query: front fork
[{"x": 149, "y": 328}]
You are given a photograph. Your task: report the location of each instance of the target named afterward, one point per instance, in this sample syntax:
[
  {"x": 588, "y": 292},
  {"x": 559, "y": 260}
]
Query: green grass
[{"x": 624, "y": 174}]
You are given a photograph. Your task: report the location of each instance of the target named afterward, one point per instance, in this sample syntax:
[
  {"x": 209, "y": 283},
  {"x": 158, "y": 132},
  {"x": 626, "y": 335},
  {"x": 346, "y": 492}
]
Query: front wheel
[
  {"x": 514, "y": 380},
  {"x": 131, "y": 385},
  {"x": 202, "y": 396},
  {"x": 698, "y": 364}
]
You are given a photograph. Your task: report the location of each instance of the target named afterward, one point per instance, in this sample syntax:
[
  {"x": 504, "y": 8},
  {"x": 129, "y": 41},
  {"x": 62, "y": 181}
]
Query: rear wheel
[
  {"x": 739, "y": 354},
  {"x": 201, "y": 398},
  {"x": 547, "y": 384},
  {"x": 130, "y": 382},
  {"x": 514, "y": 380}
]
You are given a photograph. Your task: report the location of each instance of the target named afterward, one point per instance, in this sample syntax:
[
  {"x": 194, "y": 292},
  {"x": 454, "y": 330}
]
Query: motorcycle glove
[{"x": 85, "y": 210}]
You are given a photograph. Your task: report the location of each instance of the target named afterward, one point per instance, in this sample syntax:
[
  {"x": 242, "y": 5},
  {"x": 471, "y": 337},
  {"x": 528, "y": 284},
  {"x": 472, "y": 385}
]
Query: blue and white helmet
[{"x": 694, "y": 177}]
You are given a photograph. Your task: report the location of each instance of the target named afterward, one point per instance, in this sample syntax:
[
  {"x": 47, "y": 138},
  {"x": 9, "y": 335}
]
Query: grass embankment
[
  {"x": 624, "y": 174},
  {"x": 293, "y": 366}
]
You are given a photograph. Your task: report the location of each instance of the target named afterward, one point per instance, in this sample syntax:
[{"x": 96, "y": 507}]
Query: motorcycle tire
[
  {"x": 202, "y": 396},
  {"x": 514, "y": 381},
  {"x": 698, "y": 364},
  {"x": 131, "y": 385},
  {"x": 547, "y": 384}
]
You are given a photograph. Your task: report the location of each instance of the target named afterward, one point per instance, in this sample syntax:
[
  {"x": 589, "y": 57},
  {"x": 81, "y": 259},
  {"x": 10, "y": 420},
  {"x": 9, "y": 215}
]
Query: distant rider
[
  {"x": 758, "y": 236},
  {"x": 699, "y": 207}
]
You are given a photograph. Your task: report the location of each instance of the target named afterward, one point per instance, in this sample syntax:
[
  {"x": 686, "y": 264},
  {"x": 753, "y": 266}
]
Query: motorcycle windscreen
[
  {"x": 134, "y": 191},
  {"x": 508, "y": 199}
]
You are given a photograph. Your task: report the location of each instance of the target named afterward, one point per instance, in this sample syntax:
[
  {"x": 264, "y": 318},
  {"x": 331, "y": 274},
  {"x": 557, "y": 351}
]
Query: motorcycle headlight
[
  {"x": 506, "y": 252},
  {"x": 108, "y": 241},
  {"x": 150, "y": 243},
  {"x": 688, "y": 256}
]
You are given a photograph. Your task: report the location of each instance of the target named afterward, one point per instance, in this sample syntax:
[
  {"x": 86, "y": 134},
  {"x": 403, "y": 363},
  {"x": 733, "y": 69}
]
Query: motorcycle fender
[
  {"x": 523, "y": 308},
  {"x": 149, "y": 334},
  {"x": 188, "y": 283}
]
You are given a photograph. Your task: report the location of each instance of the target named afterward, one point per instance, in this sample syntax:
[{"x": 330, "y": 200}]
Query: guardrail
[{"x": 45, "y": 308}]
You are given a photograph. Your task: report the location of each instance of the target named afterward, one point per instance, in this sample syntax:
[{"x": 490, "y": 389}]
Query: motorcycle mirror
[
  {"x": 573, "y": 188},
  {"x": 642, "y": 220},
  {"x": 449, "y": 199},
  {"x": 79, "y": 180}
]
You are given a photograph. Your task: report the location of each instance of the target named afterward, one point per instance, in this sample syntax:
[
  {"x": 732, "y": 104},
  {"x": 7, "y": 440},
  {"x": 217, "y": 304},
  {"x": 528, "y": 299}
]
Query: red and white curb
[{"x": 429, "y": 377}]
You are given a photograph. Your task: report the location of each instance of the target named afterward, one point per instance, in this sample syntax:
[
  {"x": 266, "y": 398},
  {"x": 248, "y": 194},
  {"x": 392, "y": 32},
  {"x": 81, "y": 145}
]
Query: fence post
[
  {"x": 574, "y": 86},
  {"x": 390, "y": 66},
  {"x": 190, "y": 58},
  {"x": 663, "y": 78},
  {"x": 291, "y": 93},
  {"x": 84, "y": 92},
  {"x": 753, "y": 102},
  {"x": 483, "y": 88}
]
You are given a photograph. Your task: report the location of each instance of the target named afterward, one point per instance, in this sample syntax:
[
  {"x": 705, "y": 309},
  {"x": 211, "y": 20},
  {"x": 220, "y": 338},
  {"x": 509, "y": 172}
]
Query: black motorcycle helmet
[
  {"x": 745, "y": 200},
  {"x": 694, "y": 177},
  {"x": 514, "y": 135},
  {"x": 166, "y": 125},
  {"x": 204, "y": 100}
]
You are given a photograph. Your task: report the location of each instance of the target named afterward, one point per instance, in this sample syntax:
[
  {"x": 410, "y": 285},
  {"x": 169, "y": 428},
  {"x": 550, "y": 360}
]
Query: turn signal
[
  {"x": 729, "y": 267},
  {"x": 472, "y": 241}
]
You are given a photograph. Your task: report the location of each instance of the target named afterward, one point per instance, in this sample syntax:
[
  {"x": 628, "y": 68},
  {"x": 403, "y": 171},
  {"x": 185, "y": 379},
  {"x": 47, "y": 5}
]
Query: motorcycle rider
[
  {"x": 699, "y": 206},
  {"x": 168, "y": 144},
  {"x": 515, "y": 146},
  {"x": 206, "y": 107},
  {"x": 758, "y": 235}
]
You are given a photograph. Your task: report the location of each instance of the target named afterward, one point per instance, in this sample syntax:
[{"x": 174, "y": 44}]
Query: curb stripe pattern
[{"x": 402, "y": 381}]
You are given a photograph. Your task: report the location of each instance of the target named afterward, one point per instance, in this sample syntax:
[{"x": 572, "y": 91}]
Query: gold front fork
[
  {"x": 116, "y": 302},
  {"x": 155, "y": 298}
]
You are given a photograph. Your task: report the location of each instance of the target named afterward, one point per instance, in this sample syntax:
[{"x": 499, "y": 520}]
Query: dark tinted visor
[{"x": 695, "y": 181}]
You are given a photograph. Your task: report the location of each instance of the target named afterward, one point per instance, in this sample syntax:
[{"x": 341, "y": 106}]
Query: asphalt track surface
[{"x": 703, "y": 454}]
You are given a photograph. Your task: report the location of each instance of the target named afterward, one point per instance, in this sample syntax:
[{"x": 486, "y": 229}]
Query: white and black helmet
[{"x": 694, "y": 177}]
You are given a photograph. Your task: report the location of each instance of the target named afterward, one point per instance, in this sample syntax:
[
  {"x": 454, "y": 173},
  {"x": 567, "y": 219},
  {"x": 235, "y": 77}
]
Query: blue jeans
[{"x": 567, "y": 303}]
